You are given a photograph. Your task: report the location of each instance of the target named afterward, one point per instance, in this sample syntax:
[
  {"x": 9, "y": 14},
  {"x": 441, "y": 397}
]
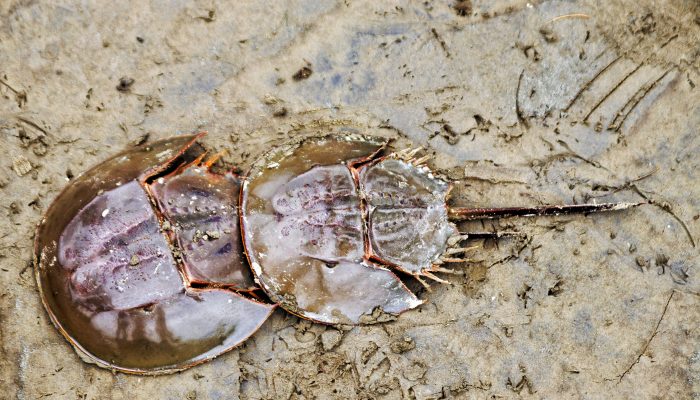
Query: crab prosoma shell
[
  {"x": 112, "y": 279},
  {"x": 325, "y": 220}
]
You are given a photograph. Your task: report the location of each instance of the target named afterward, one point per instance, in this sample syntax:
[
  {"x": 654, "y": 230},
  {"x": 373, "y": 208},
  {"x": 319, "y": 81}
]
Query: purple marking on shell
[
  {"x": 116, "y": 254},
  {"x": 318, "y": 215}
]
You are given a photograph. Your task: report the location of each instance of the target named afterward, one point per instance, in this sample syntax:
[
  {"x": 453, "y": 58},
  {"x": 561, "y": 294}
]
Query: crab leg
[
  {"x": 458, "y": 250},
  {"x": 446, "y": 259},
  {"x": 420, "y": 161},
  {"x": 437, "y": 268},
  {"x": 468, "y": 214}
]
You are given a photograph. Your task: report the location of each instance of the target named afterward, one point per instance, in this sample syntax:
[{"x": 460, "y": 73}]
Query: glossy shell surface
[
  {"x": 138, "y": 262},
  {"x": 326, "y": 220}
]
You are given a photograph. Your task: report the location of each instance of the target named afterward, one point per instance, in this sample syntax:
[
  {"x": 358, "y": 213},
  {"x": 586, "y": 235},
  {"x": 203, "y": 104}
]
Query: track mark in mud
[
  {"x": 518, "y": 110},
  {"x": 515, "y": 254},
  {"x": 664, "y": 206},
  {"x": 653, "y": 335},
  {"x": 463, "y": 8},
  {"x": 20, "y": 95},
  {"x": 303, "y": 73},
  {"x": 574, "y": 154},
  {"x": 632, "y": 103},
  {"x": 636, "y": 73},
  {"x": 611, "y": 91},
  {"x": 667, "y": 207},
  {"x": 523, "y": 383},
  {"x": 440, "y": 40},
  {"x": 589, "y": 83},
  {"x": 32, "y": 124},
  {"x": 541, "y": 167},
  {"x": 569, "y": 16}
]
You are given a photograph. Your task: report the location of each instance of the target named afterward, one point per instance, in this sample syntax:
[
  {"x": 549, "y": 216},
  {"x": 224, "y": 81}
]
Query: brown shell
[{"x": 112, "y": 286}]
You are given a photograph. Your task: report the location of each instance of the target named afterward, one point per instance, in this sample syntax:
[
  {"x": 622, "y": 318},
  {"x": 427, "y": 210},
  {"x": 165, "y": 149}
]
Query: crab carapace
[
  {"x": 327, "y": 221},
  {"x": 139, "y": 262}
]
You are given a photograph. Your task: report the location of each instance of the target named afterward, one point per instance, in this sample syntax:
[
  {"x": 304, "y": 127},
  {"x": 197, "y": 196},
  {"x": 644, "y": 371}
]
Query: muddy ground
[{"x": 523, "y": 103}]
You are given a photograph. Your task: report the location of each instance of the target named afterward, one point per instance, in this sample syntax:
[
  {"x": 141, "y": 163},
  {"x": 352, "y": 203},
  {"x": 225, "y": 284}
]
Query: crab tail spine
[{"x": 468, "y": 214}]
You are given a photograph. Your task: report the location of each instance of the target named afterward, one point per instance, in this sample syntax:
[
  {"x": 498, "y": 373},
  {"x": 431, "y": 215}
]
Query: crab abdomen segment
[{"x": 201, "y": 209}]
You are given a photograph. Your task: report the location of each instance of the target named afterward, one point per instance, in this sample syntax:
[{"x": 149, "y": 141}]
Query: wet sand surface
[{"x": 521, "y": 103}]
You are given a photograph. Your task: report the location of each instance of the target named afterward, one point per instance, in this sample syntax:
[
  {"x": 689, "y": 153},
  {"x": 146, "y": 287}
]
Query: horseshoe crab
[
  {"x": 326, "y": 222},
  {"x": 139, "y": 263}
]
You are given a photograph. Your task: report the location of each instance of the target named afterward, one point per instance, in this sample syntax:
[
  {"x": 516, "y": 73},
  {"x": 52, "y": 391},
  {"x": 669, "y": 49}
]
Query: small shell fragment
[{"x": 21, "y": 165}]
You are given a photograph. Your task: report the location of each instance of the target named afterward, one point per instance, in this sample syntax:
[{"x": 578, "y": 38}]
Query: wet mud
[{"x": 521, "y": 103}]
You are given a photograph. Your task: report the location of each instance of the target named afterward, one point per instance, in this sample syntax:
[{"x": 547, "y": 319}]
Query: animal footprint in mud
[{"x": 139, "y": 260}]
